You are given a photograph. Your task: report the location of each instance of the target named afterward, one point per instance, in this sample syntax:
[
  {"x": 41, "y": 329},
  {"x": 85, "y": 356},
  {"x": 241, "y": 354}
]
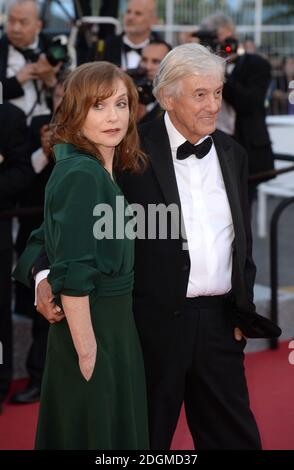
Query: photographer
[
  {"x": 24, "y": 68},
  {"x": 243, "y": 111},
  {"x": 152, "y": 55}
]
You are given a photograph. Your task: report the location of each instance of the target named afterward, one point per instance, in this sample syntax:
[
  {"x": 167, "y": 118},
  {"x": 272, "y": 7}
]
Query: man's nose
[{"x": 213, "y": 104}]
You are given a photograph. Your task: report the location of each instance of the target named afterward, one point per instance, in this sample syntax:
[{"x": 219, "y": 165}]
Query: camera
[
  {"x": 143, "y": 84},
  {"x": 209, "y": 39},
  {"x": 55, "y": 51}
]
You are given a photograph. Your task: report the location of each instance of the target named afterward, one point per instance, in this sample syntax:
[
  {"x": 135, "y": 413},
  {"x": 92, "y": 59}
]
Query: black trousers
[
  {"x": 24, "y": 304},
  {"x": 206, "y": 372},
  {"x": 5, "y": 321}
]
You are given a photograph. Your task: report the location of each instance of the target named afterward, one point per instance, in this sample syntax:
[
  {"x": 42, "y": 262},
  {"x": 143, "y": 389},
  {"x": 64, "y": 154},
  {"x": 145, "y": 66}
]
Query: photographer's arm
[{"x": 33, "y": 263}]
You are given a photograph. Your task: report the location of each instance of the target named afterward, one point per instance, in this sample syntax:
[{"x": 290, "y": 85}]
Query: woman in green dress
[{"x": 93, "y": 392}]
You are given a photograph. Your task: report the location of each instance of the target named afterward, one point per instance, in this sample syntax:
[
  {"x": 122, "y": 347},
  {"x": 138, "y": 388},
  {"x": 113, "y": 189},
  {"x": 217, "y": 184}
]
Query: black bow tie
[
  {"x": 200, "y": 150},
  {"x": 128, "y": 48},
  {"x": 30, "y": 55}
]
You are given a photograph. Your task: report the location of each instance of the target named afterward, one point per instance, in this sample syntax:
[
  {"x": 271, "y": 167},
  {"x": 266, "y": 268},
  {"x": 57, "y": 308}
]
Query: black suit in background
[
  {"x": 33, "y": 196},
  {"x": 15, "y": 174},
  {"x": 245, "y": 90},
  {"x": 114, "y": 47}
]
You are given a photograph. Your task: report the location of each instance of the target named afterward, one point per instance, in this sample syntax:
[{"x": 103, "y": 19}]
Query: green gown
[{"x": 109, "y": 411}]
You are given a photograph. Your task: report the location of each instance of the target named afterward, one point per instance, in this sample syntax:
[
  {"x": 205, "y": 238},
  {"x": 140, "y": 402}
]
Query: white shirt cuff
[
  {"x": 38, "y": 278},
  {"x": 39, "y": 160}
]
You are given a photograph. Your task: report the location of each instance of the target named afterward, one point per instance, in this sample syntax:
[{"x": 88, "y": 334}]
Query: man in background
[
  {"x": 125, "y": 49},
  {"x": 152, "y": 55}
]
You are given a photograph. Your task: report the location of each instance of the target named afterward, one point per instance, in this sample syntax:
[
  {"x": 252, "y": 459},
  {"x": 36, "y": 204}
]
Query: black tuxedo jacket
[
  {"x": 113, "y": 48},
  {"x": 246, "y": 89},
  {"x": 162, "y": 267},
  {"x": 15, "y": 169},
  {"x": 34, "y": 195}
]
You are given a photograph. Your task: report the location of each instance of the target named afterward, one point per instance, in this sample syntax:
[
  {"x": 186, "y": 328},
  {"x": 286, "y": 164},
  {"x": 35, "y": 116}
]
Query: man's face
[
  {"x": 225, "y": 32},
  {"x": 23, "y": 24},
  {"x": 139, "y": 17},
  {"x": 152, "y": 55},
  {"x": 193, "y": 111}
]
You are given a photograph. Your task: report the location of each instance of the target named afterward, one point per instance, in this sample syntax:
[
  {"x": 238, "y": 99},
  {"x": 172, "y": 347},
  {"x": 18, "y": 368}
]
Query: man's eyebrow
[{"x": 206, "y": 89}]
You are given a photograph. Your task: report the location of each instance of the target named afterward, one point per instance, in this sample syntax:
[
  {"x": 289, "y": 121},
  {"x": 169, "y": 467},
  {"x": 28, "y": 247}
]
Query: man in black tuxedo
[
  {"x": 15, "y": 175},
  {"x": 125, "y": 49},
  {"x": 24, "y": 72},
  {"x": 243, "y": 114},
  {"x": 193, "y": 287}
]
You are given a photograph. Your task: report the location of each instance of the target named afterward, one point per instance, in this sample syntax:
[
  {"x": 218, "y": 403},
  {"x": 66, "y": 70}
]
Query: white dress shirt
[
  {"x": 207, "y": 218},
  {"x": 132, "y": 59}
]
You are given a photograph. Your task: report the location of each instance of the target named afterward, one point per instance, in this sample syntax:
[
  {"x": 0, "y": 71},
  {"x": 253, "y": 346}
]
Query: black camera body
[
  {"x": 55, "y": 51},
  {"x": 143, "y": 84},
  {"x": 209, "y": 39}
]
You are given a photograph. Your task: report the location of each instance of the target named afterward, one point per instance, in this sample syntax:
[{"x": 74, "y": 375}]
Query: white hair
[{"x": 182, "y": 61}]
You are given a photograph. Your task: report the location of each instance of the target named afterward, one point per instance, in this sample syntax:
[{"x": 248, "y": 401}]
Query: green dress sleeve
[
  {"x": 70, "y": 242},
  {"x": 35, "y": 244}
]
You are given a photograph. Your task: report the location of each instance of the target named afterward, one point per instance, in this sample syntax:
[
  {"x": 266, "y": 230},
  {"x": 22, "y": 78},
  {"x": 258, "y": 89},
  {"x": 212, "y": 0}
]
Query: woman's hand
[{"x": 87, "y": 363}]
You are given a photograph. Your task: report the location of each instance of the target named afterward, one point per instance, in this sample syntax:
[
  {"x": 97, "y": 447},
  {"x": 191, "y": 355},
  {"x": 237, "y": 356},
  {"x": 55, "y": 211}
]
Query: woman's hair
[
  {"x": 182, "y": 61},
  {"x": 85, "y": 86}
]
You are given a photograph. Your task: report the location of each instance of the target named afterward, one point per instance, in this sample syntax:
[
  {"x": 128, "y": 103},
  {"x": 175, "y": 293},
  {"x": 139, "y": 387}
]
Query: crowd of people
[{"x": 139, "y": 326}]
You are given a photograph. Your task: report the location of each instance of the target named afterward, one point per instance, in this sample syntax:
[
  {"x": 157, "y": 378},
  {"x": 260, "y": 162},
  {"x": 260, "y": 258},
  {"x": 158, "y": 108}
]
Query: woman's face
[{"x": 107, "y": 122}]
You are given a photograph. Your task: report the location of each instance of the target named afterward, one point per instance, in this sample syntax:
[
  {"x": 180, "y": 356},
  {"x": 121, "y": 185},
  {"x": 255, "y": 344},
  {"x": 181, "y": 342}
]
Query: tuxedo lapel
[
  {"x": 226, "y": 158},
  {"x": 157, "y": 147}
]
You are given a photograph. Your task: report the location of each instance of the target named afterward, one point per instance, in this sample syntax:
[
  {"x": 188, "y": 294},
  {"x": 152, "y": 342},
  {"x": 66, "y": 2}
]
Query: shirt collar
[
  {"x": 175, "y": 137},
  {"x": 135, "y": 46}
]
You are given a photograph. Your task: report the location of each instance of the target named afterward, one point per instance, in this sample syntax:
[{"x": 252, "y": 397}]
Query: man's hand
[
  {"x": 46, "y": 72},
  {"x": 45, "y": 134},
  {"x": 238, "y": 334},
  {"x": 27, "y": 72},
  {"x": 45, "y": 303}
]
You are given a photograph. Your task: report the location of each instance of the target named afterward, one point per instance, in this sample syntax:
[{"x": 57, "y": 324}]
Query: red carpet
[{"x": 271, "y": 384}]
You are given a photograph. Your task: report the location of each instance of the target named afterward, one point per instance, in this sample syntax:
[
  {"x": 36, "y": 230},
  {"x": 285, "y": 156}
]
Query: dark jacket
[
  {"x": 15, "y": 170},
  {"x": 245, "y": 90},
  {"x": 113, "y": 48}
]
